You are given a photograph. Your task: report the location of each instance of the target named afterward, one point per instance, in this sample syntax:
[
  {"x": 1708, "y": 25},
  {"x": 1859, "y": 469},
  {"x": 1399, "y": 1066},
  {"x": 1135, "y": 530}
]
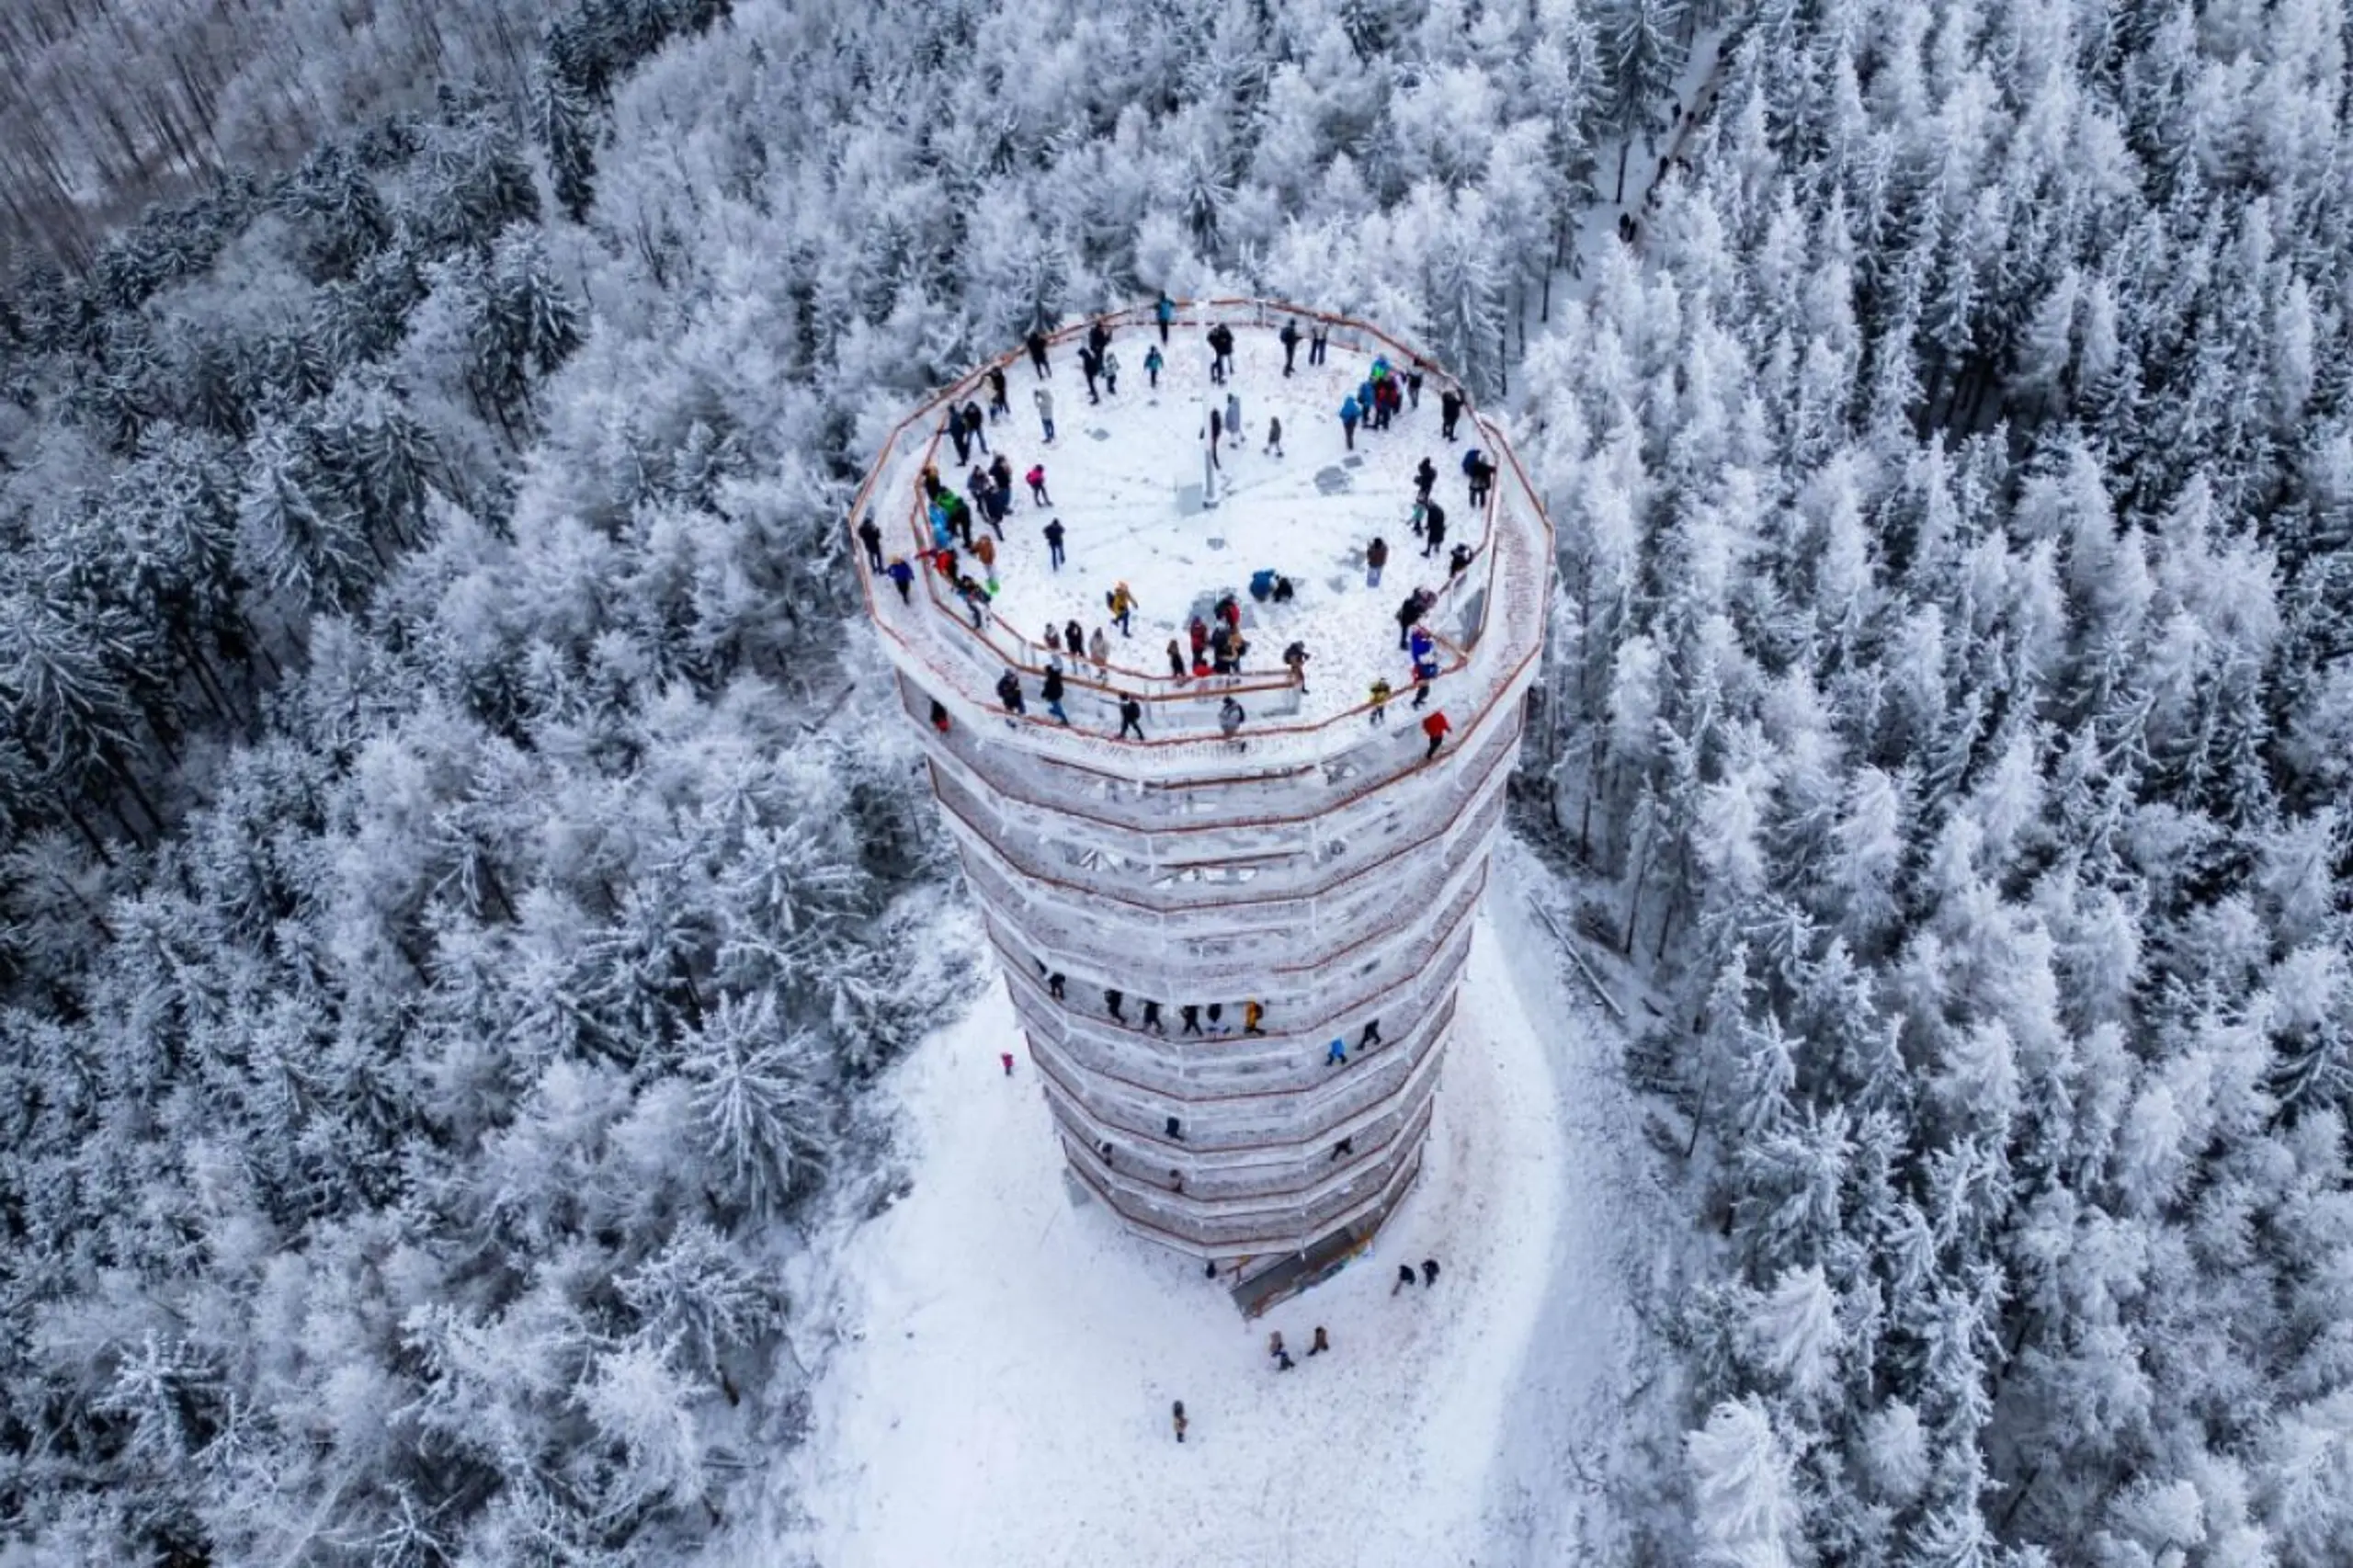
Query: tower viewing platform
[{"x": 1233, "y": 937}]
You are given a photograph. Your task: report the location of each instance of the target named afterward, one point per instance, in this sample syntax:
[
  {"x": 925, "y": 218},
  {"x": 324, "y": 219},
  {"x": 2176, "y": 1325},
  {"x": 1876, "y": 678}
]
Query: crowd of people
[{"x": 967, "y": 531}]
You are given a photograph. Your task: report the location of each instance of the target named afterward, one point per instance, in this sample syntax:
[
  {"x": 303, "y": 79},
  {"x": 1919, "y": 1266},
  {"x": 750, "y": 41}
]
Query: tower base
[{"x": 1269, "y": 1281}]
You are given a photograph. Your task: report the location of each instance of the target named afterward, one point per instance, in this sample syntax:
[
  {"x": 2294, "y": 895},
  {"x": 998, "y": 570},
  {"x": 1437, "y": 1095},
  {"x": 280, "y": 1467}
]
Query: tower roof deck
[{"x": 1125, "y": 477}]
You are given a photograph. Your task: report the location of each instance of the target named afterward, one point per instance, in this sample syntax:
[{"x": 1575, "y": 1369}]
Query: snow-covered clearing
[
  {"x": 1005, "y": 1398},
  {"x": 1125, "y": 476}
]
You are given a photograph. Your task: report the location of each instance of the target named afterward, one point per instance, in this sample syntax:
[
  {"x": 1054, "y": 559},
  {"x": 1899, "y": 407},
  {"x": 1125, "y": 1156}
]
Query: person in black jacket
[
  {"x": 1008, "y": 691},
  {"x": 1038, "y": 353},
  {"x": 1130, "y": 718}
]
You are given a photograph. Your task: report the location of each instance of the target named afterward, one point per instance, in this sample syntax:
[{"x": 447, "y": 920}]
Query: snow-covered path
[{"x": 1006, "y": 1399}]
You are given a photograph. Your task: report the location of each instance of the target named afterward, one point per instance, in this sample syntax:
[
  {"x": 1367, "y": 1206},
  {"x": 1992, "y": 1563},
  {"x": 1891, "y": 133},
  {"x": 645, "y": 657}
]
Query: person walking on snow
[
  {"x": 1321, "y": 1342},
  {"x": 1450, "y": 409},
  {"x": 1073, "y": 640},
  {"x": 1288, "y": 337},
  {"x": 1098, "y": 648},
  {"x": 1057, "y": 986},
  {"x": 1176, "y": 660},
  {"x": 1458, "y": 562},
  {"x": 1283, "y": 1362},
  {"x": 1336, "y": 1055},
  {"x": 1123, "y": 606},
  {"x": 1044, "y": 398},
  {"x": 1483, "y": 480},
  {"x": 1371, "y": 1036},
  {"x": 1008, "y": 691},
  {"x": 1429, "y": 1272},
  {"x": 1164, "y": 311},
  {"x": 1376, "y": 556},
  {"x": 871, "y": 537},
  {"x": 1177, "y": 1416},
  {"x": 1151, "y": 1019},
  {"x": 1404, "y": 1278},
  {"x": 1217, "y": 437},
  {"x": 1189, "y": 1018},
  {"x": 1380, "y": 696},
  {"x": 956, "y": 433},
  {"x": 1007, "y": 1057},
  {"x": 1221, "y": 353},
  {"x": 998, "y": 406},
  {"x": 1052, "y": 690},
  {"x": 1436, "y": 728},
  {"x": 1234, "y": 417},
  {"x": 1433, "y": 529},
  {"x": 1424, "y": 477},
  {"x": 1274, "y": 438},
  {"x": 975, "y": 427},
  {"x": 1130, "y": 718},
  {"x": 1153, "y": 362},
  {"x": 1112, "y": 1003},
  {"x": 903, "y": 577},
  {"x": 1054, "y": 542},
  {"x": 1230, "y": 717},
  {"x": 1409, "y": 615},
  {"x": 1110, "y": 372},
  {"x": 1252, "y": 1014},
  {"x": 1036, "y": 343},
  {"x": 1036, "y": 478},
  {"x": 1295, "y": 657},
  {"x": 1090, "y": 366},
  {"x": 1350, "y": 411},
  {"x": 1317, "y": 336}
]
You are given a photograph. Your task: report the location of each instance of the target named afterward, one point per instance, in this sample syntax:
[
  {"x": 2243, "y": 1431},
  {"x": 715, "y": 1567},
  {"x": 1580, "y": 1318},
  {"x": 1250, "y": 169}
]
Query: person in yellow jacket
[
  {"x": 1124, "y": 605},
  {"x": 1251, "y": 1014}
]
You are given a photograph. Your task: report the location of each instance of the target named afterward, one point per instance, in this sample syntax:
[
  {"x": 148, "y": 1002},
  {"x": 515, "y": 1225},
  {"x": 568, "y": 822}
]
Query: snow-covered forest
[{"x": 461, "y": 890}]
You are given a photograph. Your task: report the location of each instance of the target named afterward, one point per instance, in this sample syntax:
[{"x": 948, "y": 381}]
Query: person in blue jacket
[{"x": 1350, "y": 411}]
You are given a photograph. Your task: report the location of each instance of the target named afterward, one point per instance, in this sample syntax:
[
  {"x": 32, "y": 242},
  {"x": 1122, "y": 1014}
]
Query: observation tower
[{"x": 1234, "y": 955}]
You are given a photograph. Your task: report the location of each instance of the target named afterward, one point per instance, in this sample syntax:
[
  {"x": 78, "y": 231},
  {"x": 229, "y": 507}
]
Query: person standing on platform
[{"x": 1436, "y": 728}]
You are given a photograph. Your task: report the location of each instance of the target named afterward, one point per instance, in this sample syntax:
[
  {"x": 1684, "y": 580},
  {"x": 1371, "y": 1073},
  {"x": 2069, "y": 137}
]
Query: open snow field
[
  {"x": 1125, "y": 476},
  {"x": 1005, "y": 1398}
]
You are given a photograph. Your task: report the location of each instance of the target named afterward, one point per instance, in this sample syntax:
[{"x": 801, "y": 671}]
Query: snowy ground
[
  {"x": 1005, "y": 1398},
  {"x": 1125, "y": 476}
]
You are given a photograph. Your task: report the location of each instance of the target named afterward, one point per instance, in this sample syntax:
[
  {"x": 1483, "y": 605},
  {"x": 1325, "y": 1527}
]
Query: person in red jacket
[{"x": 1436, "y": 728}]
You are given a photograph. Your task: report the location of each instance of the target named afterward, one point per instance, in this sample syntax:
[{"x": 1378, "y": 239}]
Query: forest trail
[{"x": 1007, "y": 1399}]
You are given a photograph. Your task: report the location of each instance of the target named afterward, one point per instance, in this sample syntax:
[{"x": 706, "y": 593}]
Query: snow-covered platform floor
[{"x": 1125, "y": 476}]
